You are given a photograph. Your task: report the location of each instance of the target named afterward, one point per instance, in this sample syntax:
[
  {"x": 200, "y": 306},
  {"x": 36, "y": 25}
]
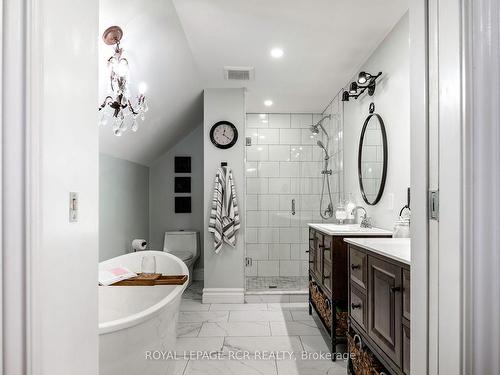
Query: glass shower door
[{"x": 283, "y": 186}]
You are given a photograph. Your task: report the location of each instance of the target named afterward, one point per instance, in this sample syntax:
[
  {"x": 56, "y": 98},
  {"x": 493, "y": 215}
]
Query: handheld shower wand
[
  {"x": 328, "y": 212},
  {"x": 320, "y": 144}
]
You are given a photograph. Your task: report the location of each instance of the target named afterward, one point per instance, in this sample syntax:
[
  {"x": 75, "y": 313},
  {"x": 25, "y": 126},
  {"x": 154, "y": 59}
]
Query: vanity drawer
[
  {"x": 358, "y": 267},
  {"x": 357, "y": 307},
  {"x": 327, "y": 276}
]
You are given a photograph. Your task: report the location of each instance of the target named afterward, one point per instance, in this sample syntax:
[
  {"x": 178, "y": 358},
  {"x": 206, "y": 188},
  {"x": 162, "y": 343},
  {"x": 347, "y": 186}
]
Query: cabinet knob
[
  {"x": 355, "y": 266},
  {"x": 326, "y": 277},
  {"x": 307, "y": 251},
  {"x": 355, "y": 306},
  {"x": 395, "y": 289}
]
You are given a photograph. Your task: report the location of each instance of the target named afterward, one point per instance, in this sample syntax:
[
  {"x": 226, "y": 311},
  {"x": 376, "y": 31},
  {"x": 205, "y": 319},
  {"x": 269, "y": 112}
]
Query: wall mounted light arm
[
  {"x": 365, "y": 81},
  {"x": 346, "y": 95}
]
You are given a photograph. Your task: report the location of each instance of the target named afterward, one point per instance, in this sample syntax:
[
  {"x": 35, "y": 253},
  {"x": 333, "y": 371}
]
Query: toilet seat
[{"x": 183, "y": 255}]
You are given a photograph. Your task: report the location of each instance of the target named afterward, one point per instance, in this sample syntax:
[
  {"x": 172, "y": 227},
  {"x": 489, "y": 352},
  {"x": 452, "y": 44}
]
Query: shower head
[
  {"x": 319, "y": 125},
  {"x": 314, "y": 129},
  {"x": 320, "y": 144}
]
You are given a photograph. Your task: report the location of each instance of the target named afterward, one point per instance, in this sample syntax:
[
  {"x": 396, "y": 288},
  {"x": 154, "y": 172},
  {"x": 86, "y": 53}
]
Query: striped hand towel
[{"x": 224, "y": 215}]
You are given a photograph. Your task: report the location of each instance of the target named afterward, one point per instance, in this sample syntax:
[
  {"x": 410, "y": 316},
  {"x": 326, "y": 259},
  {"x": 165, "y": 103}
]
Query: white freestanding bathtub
[{"x": 137, "y": 320}]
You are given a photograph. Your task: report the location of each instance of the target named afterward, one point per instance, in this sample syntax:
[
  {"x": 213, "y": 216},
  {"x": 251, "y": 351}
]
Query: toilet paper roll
[{"x": 139, "y": 244}]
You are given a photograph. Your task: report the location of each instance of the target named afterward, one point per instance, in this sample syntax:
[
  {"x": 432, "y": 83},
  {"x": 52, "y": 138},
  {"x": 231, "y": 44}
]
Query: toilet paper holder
[{"x": 139, "y": 244}]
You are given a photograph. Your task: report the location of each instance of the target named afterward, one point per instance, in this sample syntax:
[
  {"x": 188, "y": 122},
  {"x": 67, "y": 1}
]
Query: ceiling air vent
[{"x": 238, "y": 73}]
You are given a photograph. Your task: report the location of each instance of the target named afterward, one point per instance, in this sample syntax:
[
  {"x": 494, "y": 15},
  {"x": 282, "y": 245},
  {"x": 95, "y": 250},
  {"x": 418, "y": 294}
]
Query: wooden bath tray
[{"x": 152, "y": 280}]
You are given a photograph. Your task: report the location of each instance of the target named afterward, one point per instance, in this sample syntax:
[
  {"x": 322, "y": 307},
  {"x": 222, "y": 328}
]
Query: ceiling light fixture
[
  {"x": 268, "y": 103},
  {"x": 117, "y": 107},
  {"x": 277, "y": 53}
]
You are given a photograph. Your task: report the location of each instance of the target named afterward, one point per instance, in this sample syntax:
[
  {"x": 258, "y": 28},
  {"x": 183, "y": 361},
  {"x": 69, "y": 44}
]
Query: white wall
[
  {"x": 63, "y": 158},
  {"x": 162, "y": 210},
  {"x": 224, "y": 270},
  {"x": 392, "y": 102},
  {"x": 123, "y": 205}
]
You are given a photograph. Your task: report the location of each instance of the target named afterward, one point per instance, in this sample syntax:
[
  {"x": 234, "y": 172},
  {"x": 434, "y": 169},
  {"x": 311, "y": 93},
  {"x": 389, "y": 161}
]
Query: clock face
[{"x": 223, "y": 134}]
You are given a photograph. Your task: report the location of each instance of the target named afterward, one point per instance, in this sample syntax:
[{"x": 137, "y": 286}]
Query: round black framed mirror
[{"x": 372, "y": 158}]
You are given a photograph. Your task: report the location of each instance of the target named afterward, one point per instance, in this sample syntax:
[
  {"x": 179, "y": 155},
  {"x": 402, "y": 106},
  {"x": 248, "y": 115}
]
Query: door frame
[
  {"x": 419, "y": 184},
  {"x": 481, "y": 284},
  {"x": 455, "y": 93}
]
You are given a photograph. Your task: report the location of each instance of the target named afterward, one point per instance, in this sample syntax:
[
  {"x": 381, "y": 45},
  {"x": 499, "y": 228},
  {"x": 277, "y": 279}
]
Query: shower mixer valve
[{"x": 329, "y": 211}]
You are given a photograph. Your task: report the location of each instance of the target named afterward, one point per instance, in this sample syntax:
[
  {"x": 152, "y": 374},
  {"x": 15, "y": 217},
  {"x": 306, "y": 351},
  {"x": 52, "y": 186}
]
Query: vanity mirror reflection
[{"x": 372, "y": 158}]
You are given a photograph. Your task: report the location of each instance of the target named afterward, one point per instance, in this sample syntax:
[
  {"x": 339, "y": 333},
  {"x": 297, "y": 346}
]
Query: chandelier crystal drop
[{"x": 117, "y": 109}]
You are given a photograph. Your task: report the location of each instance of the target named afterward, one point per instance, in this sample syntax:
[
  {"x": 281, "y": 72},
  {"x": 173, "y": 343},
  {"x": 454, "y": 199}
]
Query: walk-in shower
[
  {"x": 327, "y": 212},
  {"x": 283, "y": 192}
]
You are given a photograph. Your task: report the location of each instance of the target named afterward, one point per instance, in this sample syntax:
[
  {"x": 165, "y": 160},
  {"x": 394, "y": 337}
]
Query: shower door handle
[{"x": 293, "y": 206}]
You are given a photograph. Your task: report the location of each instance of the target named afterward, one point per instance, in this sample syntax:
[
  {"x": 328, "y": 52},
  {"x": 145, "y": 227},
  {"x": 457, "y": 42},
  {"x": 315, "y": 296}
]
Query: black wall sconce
[{"x": 366, "y": 81}]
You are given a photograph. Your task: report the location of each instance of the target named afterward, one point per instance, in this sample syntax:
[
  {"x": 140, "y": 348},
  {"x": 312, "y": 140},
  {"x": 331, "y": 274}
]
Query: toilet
[{"x": 184, "y": 245}]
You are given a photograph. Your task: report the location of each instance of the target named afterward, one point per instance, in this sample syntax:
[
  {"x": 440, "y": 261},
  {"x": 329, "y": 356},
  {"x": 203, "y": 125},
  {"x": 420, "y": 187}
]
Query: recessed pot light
[
  {"x": 277, "y": 53},
  {"x": 268, "y": 103}
]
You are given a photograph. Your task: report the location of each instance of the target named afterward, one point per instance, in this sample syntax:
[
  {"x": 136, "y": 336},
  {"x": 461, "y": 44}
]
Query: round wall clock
[{"x": 223, "y": 134}]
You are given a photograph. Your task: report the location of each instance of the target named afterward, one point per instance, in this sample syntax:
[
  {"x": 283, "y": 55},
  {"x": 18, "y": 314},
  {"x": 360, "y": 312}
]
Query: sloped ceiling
[
  {"x": 180, "y": 48},
  {"x": 159, "y": 55}
]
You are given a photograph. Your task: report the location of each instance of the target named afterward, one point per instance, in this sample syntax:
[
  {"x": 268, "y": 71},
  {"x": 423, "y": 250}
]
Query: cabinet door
[
  {"x": 327, "y": 248},
  {"x": 317, "y": 266},
  {"x": 384, "y": 306},
  {"x": 406, "y": 349},
  {"x": 327, "y": 263},
  {"x": 312, "y": 238},
  {"x": 406, "y": 293},
  {"x": 327, "y": 276}
]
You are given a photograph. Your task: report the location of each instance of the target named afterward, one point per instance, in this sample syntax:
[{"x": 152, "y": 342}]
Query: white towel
[{"x": 224, "y": 216}]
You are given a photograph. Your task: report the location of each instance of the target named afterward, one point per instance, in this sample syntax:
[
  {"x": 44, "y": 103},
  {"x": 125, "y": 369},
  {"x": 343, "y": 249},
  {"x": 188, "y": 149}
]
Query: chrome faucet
[{"x": 365, "y": 220}]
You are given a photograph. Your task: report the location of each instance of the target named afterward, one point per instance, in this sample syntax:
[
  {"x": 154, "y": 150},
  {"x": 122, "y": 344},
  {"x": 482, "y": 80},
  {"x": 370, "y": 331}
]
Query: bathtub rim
[{"x": 140, "y": 317}]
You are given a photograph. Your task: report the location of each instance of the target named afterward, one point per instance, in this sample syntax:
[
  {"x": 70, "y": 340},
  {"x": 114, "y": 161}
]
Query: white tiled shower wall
[{"x": 284, "y": 163}]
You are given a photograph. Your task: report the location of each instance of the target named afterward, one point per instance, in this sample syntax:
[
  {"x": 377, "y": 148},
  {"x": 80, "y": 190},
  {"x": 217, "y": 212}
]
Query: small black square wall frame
[
  {"x": 183, "y": 164},
  {"x": 182, "y": 185},
  {"x": 182, "y": 205}
]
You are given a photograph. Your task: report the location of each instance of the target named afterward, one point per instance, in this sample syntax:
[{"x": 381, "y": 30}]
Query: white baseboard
[
  {"x": 199, "y": 274},
  {"x": 223, "y": 295}
]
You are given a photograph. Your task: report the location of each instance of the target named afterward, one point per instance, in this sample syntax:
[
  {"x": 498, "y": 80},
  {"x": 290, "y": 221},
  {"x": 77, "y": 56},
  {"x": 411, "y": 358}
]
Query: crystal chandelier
[{"x": 117, "y": 108}]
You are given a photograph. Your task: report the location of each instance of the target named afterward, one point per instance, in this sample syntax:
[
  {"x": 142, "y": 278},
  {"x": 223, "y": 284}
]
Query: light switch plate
[{"x": 73, "y": 207}]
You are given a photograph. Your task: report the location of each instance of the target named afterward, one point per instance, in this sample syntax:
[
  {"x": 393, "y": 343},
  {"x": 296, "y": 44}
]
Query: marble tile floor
[{"x": 285, "y": 329}]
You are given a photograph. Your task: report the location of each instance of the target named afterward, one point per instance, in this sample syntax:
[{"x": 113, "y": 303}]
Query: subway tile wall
[{"x": 283, "y": 164}]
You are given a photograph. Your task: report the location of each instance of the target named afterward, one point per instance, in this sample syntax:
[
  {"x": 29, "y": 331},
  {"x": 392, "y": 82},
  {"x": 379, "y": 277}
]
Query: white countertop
[
  {"x": 395, "y": 248},
  {"x": 349, "y": 230}
]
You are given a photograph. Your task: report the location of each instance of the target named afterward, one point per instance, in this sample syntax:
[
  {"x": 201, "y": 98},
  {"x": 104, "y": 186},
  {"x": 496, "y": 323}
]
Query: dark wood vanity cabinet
[
  {"x": 328, "y": 283},
  {"x": 379, "y": 307}
]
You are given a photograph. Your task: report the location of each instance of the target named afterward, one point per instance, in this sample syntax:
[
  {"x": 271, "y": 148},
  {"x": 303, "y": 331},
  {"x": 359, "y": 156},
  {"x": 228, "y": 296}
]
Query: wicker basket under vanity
[
  {"x": 324, "y": 309},
  {"x": 363, "y": 362}
]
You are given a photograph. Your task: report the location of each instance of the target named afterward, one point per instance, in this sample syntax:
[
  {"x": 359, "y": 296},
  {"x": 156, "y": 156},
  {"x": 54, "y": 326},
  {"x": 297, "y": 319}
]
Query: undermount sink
[{"x": 349, "y": 229}]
